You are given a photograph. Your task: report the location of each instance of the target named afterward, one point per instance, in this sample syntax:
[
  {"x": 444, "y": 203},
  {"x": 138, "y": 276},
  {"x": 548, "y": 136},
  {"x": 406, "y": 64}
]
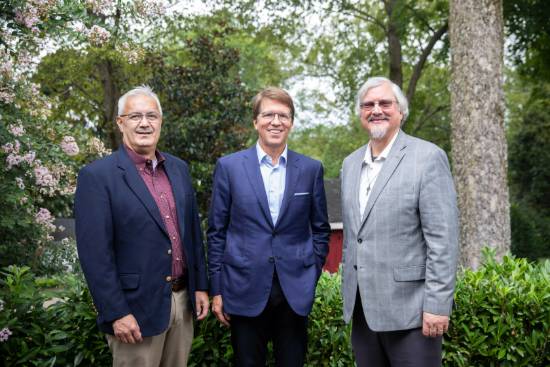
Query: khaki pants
[{"x": 169, "y": 349}]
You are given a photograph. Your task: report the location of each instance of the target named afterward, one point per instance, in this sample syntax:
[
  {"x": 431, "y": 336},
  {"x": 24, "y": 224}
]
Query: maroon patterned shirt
[{"x": 160, "y": 188}]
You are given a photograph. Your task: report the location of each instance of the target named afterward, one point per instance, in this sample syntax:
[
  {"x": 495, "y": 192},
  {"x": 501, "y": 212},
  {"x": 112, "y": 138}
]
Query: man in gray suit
[{"x": 400, "y": 237}]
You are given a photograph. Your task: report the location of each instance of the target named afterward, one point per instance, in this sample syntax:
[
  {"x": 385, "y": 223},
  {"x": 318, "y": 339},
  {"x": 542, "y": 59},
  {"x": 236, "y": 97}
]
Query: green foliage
[
  {"x": 529, "y": 170},
  {"x": 501, "y": 318},
  {"x": 502, "y": 315},
  {"x": 63, "y": 334},
  {"x": 206, "y": 106}
]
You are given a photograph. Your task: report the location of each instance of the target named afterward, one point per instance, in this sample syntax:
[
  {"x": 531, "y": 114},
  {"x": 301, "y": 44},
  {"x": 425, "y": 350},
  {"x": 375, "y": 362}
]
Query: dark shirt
[{"x": 160, "y": 188}]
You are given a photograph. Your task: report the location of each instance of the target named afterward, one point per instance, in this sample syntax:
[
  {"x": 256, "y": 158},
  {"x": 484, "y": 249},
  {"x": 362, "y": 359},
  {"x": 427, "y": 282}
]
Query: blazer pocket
[
  {"x": 129, "y": 281},
  {"x": 409, "y": 273},
  {"x": 234, "y": 260},
  {"x": 301, "y": 193}
]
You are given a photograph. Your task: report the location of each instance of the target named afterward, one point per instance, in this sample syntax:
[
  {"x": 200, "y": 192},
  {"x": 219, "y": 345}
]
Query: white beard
[{"x": 377, "y": 132}]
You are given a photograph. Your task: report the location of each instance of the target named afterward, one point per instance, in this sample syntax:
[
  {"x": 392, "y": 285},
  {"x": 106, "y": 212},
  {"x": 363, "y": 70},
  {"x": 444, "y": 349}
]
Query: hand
[
  {"x": 217, "y": 309},
  {"x": 201, "y": 304},
  {"x": 127, "y": 330},
  {"x": 434, "y": 325}
]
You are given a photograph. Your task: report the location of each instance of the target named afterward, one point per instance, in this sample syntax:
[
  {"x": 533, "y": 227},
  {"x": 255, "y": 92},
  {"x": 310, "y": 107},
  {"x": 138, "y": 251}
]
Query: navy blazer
[
  {"x": 245, "y": 247},
  {"x": 123, "y": 245}
]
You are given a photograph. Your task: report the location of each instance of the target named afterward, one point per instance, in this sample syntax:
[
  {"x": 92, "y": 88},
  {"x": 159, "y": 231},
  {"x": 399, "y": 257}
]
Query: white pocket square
[{"x": 301, "y": 193}]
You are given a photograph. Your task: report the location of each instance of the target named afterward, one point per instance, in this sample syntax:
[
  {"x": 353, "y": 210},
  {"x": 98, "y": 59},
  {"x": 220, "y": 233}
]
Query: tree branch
[{"x": 417, "y": 71}]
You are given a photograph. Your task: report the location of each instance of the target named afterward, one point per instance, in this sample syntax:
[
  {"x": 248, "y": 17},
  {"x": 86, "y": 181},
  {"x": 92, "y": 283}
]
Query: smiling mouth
[
  {"x": 275, "y": 131},
  {"x": 378, "y": 119}
]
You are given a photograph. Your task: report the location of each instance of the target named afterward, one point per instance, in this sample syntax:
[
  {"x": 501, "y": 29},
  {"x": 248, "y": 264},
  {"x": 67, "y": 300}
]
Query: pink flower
[
  {"x": 5, "y": 334},
  {"x": 98, "y": 36},
  {"x": 44, "y": 177},
  {"x": 69, "y": 146},
  {"x": 13, "y": 159},
  {"x": 29, "y": 157},
  {"x": 45, "y": 219},
  {"x": 16, "y": 130}
]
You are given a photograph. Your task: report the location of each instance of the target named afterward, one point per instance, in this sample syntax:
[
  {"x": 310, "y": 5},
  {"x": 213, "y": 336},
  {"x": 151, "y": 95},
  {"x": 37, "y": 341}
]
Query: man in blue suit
[
  {"x": 267, "y": 239},
  {"x": 140, "y": 244}
]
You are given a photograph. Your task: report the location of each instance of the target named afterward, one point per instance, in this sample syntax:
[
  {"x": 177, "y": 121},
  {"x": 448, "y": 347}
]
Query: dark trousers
[
  {"x": 277, "y": 322},
  {"x": 401, "y": 348}
]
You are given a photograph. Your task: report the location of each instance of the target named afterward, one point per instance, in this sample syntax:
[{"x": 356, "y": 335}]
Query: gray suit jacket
[{"x": 402, "y": 253}]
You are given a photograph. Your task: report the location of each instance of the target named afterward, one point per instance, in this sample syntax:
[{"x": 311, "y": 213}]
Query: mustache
[
  {"x": 386, "y": 118},
  {"x": 144, "y": 130}
]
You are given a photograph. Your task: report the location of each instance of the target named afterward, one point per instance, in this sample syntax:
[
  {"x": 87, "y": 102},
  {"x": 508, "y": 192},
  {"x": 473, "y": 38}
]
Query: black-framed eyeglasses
[
  {"x": 384, "y": 104},
  {"x": 138, "y": 116},
  {"x": 270, "y": 116}
]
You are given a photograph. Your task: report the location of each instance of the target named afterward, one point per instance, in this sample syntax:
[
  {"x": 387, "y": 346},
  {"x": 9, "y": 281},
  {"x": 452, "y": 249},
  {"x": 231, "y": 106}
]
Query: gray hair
[
  {"x": 142, "y": 90},
  {"x": 377, "y": 81}
]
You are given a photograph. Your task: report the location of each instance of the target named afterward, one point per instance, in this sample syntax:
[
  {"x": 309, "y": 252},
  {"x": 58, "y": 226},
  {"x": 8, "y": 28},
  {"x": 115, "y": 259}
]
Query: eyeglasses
[
  {"x": 384, "y": 104},
  {"x": 138, "y": 116},
  {"x": 270, "y": 116}
]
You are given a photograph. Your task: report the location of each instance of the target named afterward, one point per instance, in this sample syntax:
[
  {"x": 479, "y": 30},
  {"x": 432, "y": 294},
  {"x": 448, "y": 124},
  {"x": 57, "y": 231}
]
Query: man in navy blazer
[
  {"x": 267, "y": 239},
  {"x": 140, "y": 243}
]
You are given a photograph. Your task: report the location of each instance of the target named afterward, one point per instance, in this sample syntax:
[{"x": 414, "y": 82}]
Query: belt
[{"x": 179, "y": 284}]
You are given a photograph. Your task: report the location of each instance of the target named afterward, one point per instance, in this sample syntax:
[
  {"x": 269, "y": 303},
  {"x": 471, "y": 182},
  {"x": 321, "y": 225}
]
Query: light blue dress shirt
[{"x": 274, "y": 179}]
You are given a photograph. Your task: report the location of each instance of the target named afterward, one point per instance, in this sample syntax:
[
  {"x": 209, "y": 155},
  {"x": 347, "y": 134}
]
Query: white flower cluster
[
  {"x": 69, "y": 146},
  {"x": 149, "y": 8},
  {"x": 14, "y": 157},
  {"x": 101, "y": 7},
  {"x": 96, "y": 146},
  {"x": 45, "y": 219},
  {"x": 32, "y": 12},
  {"x": 97, "y": 35},
  {"x": 16, "y": 130},
  {"x": 131, "y": 54}
]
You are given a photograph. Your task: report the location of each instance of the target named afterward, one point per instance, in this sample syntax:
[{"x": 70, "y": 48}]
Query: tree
[{"x": 478, "y": 140}]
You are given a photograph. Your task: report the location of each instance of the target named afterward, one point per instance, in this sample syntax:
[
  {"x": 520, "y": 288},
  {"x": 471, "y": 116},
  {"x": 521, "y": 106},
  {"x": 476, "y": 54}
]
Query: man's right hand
[
  {"x": 127, "y": 330},
  {"x": 217, "y": 309}
]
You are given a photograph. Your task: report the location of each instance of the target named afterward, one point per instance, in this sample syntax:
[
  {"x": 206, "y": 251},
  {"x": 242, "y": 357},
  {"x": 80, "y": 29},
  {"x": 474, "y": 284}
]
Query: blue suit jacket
[
  {"x": 123, "y": 244},
  {"x": 245, "y": 247}
]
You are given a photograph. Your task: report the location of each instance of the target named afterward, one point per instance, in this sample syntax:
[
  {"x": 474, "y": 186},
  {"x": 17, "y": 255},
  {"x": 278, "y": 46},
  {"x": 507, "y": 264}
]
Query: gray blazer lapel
[
  {"x": 355, "y": 182},
  {"x": 252, "y": 168},
  {"x": 292, "y": 175},
  {"x": 136, "y": 184},
  {"x": 394, "y": 158}
]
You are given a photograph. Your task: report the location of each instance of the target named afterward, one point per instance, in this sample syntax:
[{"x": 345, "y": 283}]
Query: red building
[{"x": 334, "y": 206}]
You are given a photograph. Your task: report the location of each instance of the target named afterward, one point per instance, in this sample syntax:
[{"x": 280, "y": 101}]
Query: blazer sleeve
[
  {"x": 320, "y": 226},
  {"x": 94, "y": 238},
  {"x": 218, "y": 221},
  {"x": 439, "y": 220}
]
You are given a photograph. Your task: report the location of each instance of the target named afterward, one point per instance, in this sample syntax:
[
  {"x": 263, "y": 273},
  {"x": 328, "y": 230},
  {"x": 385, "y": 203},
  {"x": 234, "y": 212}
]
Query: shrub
[
  {"x": 502, "y": 318},
  {"x": 502, "y": 315}
]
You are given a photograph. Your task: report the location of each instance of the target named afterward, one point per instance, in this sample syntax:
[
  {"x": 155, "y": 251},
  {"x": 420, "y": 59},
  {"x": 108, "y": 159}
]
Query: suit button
[
  {"x": 168, "y": 278},
  {"x": 169, "y": 252},
  {"x": 355, "y": 267},
  {"x": 271, "y": 259},
  {"x": 360, "y": 240}
]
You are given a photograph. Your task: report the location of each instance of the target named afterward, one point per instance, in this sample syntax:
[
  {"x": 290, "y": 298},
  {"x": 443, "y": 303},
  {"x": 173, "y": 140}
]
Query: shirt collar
[
  {"x": 140, "y": 160},
  {"x": 382, "y": 156},
  {"x": 264, "y": 156}
]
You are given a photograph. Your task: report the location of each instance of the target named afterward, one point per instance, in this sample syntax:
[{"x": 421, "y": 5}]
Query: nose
[
  {"x": 377, "y": 109},
  {"x": 275, "y": 118}
]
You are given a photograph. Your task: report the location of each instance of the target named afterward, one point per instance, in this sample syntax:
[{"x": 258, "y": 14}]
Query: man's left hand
[
  {"x": 434, "y": 325},
  {"x": 202, "y": 304}
]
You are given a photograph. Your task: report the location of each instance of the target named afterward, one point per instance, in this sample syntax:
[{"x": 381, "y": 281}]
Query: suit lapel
[
  {"x": 177, "y": 190},
  {"x": 292, "y": 175},
  {"x": 394, "y": 158},
  {"x": 252, "y": 168},
  {"x": 138, "y": 187},
  {"x": 355, "y": 182}
]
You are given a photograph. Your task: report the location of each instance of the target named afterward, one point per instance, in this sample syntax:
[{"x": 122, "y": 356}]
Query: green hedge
[{"x": 502, "y": 318}]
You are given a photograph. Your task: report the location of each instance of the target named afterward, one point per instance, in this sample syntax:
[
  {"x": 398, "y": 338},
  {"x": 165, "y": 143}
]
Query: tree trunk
[
  {"x": 479, "y": 148},
  {"x": 394, "y": 45},
  {"x": 110, "y": 98}
]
